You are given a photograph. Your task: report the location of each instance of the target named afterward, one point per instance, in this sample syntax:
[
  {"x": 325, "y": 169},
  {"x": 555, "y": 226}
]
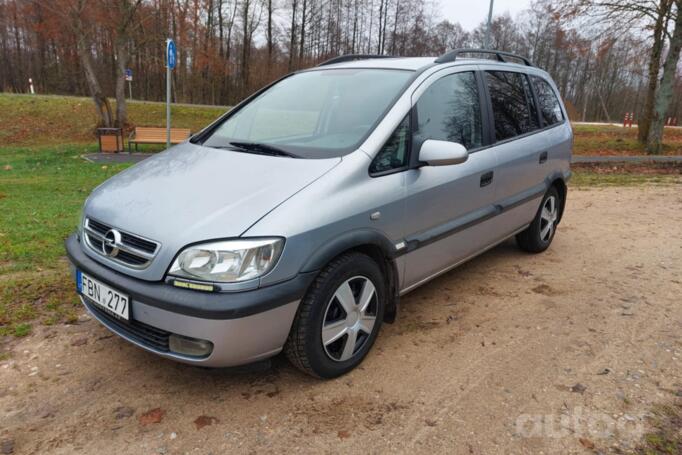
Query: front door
[{"x": 446, "y": 203}]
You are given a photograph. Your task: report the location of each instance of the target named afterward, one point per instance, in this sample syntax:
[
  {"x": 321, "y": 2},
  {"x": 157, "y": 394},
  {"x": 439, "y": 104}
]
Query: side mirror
[{"x": 442, "y": 153}]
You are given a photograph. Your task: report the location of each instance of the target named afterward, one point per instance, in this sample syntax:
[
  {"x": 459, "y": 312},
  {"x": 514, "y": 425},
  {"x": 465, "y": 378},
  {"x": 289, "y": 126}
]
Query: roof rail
[
  {"x": 451, "y": 56},
  {"x": 351, "y": 58}
]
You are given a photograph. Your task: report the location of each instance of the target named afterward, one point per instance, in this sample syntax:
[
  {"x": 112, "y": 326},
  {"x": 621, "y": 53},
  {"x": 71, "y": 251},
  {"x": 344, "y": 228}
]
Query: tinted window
[
  {"x": 534, "y": 118},
  {"x": 315, "y": 114},
  {"x": 550, "y": 109},
  {"x": 513, "y": 107},
  {"x": 449, "y": 110},
  {"x": 393, "y": 154}
]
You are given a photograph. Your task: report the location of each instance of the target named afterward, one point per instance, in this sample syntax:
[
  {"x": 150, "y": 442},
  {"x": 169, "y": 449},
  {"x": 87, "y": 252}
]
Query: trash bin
[{"x": 110, "y": 140}]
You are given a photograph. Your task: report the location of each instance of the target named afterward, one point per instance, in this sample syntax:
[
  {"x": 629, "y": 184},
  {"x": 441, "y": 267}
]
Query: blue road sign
[
  {"x": 170, "y": 54},
  {"x": 129, "y": 74}
]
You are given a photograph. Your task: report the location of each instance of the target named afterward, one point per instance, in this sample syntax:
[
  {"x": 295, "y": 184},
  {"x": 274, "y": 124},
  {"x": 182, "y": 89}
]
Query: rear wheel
[
  {"x": 539, "y": 234},
  {"x": 339, "y": 318}
]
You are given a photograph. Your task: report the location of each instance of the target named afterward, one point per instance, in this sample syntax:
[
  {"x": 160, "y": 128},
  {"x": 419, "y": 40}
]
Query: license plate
[{"x": 103, "y": 296}]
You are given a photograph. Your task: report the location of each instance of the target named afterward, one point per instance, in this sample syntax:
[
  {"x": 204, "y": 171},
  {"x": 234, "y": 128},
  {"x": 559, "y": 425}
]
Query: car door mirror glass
[{"x": 442, "y": 153}]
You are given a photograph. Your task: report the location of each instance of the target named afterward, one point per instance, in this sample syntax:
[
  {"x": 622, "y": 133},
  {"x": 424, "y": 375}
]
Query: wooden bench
[{"x": 151, "y": 135}]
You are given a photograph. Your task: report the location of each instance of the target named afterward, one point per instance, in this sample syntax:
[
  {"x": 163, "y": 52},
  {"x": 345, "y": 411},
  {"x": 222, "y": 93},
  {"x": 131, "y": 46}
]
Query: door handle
[
  {"x": 486, "y": 179},
  {"x": 543, "y": 157}
]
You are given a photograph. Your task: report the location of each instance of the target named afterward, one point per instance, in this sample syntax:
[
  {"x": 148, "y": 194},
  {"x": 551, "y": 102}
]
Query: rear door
[
  {"x": 445, "y": 203},
  {"x": 520, "y": 146},
  {"x": 553, "y": 117}
]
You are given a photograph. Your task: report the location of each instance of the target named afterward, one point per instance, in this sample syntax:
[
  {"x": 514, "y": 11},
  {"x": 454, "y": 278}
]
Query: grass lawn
[
  {"x": 41, "y": 192},
  {"x": 607, "y": 140},
  {"x": 44, "y": 182},
  {"x": 41, "y": 120}
]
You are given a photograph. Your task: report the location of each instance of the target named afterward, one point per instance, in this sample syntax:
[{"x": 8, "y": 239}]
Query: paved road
[{"x": 110, "y": 158}]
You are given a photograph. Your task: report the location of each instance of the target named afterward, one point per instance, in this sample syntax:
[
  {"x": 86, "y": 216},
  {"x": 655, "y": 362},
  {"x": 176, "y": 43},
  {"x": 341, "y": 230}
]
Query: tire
[
  {"x": 348, "y": 299},
  {"x": 539, "y": 234}
]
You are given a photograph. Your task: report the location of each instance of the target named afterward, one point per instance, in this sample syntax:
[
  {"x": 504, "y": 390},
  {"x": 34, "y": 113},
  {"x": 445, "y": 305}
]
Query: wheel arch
[{"x": 371, "y": 243}]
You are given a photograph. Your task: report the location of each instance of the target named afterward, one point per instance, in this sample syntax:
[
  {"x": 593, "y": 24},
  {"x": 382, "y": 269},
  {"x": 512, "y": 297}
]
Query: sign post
[
  {"x": 170, "y": 64},
  {"x": 486, "y": 44},
  {"x": 129, "y": 78}
]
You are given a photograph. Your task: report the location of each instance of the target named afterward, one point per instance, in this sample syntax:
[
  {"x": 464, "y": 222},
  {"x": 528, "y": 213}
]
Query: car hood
[{"x": 191, "y": 193}]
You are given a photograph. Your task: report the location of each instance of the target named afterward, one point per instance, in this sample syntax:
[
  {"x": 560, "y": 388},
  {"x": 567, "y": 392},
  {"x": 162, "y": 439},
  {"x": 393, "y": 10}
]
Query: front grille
[
  {"x": 137, "y": 242},
  {"x": 144, "y": 334},
  {"x": 131, "y": 258},
  {"x": 133, "y": 251}
]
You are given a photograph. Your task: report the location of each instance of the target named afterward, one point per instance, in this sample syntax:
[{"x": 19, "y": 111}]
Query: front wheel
[
  {"x": 539, "y": 234},
  {"x": 339, "y": 318}
]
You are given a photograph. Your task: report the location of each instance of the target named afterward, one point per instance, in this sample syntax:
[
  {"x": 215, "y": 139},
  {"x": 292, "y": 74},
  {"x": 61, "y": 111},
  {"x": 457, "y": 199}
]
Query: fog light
[{"x": 190, "y": 346}]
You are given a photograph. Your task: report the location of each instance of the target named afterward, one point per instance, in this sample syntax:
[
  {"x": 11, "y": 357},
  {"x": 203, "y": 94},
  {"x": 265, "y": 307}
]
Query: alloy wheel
[
  {"x": 548, "y": 218},
  {"x": 349, "y": 318}
]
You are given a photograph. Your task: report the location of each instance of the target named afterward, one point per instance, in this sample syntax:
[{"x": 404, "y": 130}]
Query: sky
[{"x": 470, "y": 13}]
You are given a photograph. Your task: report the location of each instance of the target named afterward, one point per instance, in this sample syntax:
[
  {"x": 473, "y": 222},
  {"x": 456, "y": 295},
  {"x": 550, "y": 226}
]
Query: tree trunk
[
  {"x": 126, "y": 15},
  {"x": 395, "y": 27},
  {"x": 245, "y": 46},
  {"x": 85, "y": 56},
  {"x": 220, "y": 28},
  {"x": 101, "y": 101},
  {"x": 301, "y": 43},
  {"x": 603, "y": 106},
  {"x": 381, "y": 17},
  {"x": 292, "y": 40},
  {"x": 644, "y": 121},
  {"x": 269, "y": 34},
  {"x": 664, "y": 94}
]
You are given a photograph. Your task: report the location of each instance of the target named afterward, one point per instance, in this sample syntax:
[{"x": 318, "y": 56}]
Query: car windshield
[{"x": 313, "y": 114}]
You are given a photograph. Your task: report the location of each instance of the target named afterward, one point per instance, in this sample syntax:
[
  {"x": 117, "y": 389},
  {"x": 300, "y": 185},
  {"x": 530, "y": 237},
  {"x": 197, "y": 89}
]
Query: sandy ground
[{"x": 510, "y": 353}]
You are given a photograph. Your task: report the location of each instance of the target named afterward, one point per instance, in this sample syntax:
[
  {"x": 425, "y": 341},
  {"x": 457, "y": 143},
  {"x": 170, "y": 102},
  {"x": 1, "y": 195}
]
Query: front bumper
[{"x": 244, "y": 327}]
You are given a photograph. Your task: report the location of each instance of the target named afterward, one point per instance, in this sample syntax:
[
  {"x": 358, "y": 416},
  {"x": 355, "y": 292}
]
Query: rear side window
[
  {"x": 550, "y": 109},
  {"x": 449, "y": 110},
  {"x": 514, "y": 109}
]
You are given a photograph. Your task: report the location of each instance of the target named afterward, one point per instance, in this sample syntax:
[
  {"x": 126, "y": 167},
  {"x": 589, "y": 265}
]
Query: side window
[
  {"x": 513, "y": 107},
  {"x": 534, "y": 119},
  {"x": 550, "y": 109},
  {"x": 449, "y": 110},
  {"x": 393, "y": 154}
]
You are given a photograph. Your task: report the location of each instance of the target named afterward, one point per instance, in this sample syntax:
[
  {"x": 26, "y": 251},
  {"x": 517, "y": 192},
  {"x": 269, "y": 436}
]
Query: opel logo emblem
[{"x": 112, "y": 239}]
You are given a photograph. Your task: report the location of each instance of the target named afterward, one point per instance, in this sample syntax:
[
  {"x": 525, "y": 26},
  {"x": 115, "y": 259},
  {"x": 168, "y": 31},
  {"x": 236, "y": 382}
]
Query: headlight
[
  {"x": 81, "y": 220},
  {"x": 228, "y": 261}
]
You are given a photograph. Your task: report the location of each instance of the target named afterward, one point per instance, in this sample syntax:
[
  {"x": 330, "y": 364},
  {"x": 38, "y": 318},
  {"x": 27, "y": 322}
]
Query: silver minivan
[{"x": 297, "y": 220}]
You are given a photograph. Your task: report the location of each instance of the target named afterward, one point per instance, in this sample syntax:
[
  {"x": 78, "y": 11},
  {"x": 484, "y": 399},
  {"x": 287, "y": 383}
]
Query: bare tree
[
  {"x": 301, "y": 41},
  {"x": 623, "y": 15},
  {"x": 225, "y": 51},
  {"x": 665, "y": 90},
  {"x": 75, "y": 13},
  {"x": 268, "y": 32},
  {"x": 292, "y": 37},
  {"x": 660, "y": 25},
  {"x": 125, "y": 13}
]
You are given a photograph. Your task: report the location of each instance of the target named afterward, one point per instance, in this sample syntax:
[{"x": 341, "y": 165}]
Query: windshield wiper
[{"x": 262, "y": 149}]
